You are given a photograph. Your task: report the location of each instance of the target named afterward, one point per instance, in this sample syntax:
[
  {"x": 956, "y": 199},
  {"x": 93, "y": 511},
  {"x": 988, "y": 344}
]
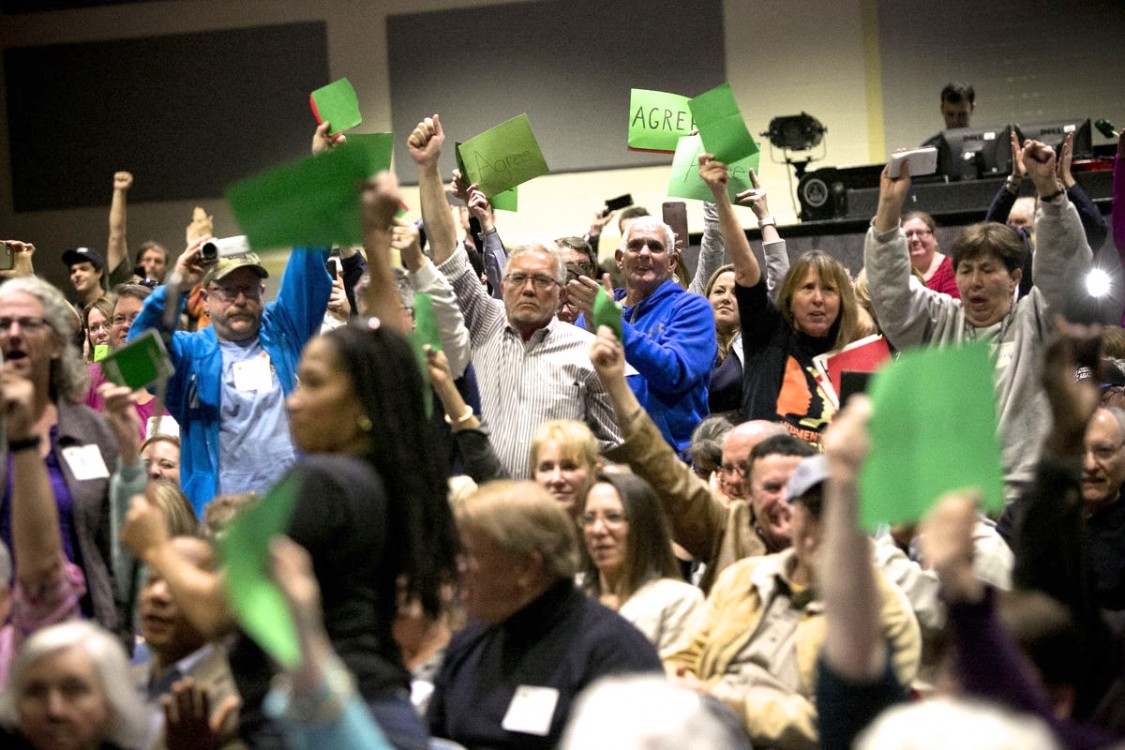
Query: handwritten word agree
[
  {"x": 655, "y": 118},
  {"x": 690, "y": 173},
  {"x": 502, "y": 167}
]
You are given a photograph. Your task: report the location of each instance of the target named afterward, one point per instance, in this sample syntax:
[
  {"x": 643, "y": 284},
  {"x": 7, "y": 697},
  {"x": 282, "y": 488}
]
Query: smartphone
[
  {"x": 334, "y": 268},
  {"x": 7, "y": 259},
  {"x": 921, "y": 161},
  {"x": 675, "y": 216},
  {"x": 616, "y": 204}
]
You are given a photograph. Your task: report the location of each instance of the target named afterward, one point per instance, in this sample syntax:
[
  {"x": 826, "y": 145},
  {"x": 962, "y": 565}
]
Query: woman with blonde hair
[{"x": 564, "y": 460}]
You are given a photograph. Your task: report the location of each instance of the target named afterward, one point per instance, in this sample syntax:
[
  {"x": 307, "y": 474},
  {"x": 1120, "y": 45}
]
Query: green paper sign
[
  {"x": 425, "y": 323},
  {"x": 377, "y": 146},
  {"x": 607, "y": 312},
  {"x": 933, "y": 429},
  {"x": 509, "y": 200},
  {"x": 685, "y": 181},
  {"x": 502, "y": 157},
  {"x": 657, "y": 120},
  {"x": 139, "y": 364},
  {"x": 257, "y": 602},
  {"x": 101, "y": 351},
  {"x": 336, "y": 103},
  {"x": 313, "y": 201},
  {"x": 721, "y": 125}
]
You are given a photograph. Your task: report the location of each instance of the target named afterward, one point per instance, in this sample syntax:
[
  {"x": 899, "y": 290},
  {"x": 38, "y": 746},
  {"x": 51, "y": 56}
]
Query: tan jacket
[
  {"x": 732, "y": 615},
  {"x": 702, "y": 521}
]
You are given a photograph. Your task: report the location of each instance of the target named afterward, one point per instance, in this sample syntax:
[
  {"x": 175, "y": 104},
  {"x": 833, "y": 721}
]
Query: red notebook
[{"x": 866, "y": 355}]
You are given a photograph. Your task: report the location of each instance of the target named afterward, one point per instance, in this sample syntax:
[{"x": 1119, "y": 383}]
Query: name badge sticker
[
  {"x": 254, "y": 374},
  {"x": 85, "y": 462},
  {"x": 531, "y": 710}
]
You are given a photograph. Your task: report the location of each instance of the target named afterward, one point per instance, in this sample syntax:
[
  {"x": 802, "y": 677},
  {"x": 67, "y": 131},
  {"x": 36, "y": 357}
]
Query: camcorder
[{"x": 228, "y": 247}]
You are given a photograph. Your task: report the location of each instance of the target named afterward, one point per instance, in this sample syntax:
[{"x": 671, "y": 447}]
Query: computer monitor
[
  {"x": 975, "y": 153},
  {"x": 1053, "y": 134}
]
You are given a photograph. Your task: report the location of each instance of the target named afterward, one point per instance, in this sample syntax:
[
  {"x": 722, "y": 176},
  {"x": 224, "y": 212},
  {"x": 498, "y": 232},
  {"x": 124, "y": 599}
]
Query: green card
[
  {"x": 425, "y": 323},
  {"x": 721, "y": 125},
  {"x": 685, "y": 181},
  {"x": 101, "y": 351},
  {"x": 314, "y": 201},
  {"x": 509, "y": 200},
  {"x": 502, "y": 157},
  {"x": 933, "y": 429},
  {"x": 657, "y": 120},
  {"x": 336, "y": 103},
  {"x": 139, "y": 364},
  {"x": 257, "y": 602},
  {"x": 377, "y": 146},
  {"x": 607, "y": 312}
]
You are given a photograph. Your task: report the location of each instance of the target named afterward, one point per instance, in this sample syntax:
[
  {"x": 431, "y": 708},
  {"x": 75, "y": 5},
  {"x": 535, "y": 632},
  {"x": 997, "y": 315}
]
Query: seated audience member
[
  {"x": 815, "y": 313},
  {"x": 629, "y": 566},
  {"x": 232, "y": 378},
  {"x": 648, "y": 713},
  {"x": 69, "y": 688},
  {"x": 706, "y": 449},
  {"x": 987, "y": 260},
  {"x": 74, "y": 443},
  {"x": 534, "y": 640},
  {"x": 565, "y": 461},
  {"x": 129, "y": 299},
  {"x": 763, "y": 629},
  {"x": 186, "y": 672},
  {"x": 734, "y": 469},
  {"x": 921, "y": 240},
  {"x": 531, "y": 367},
  {"x": 669, "y": 333},
  {"x": 711, "y": 527},
  {"x": 96, "y": 323},
  {"x": 86, "y": 269}
]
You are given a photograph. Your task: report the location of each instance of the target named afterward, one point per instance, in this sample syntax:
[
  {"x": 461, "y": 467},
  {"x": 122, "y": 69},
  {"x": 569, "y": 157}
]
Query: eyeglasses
[
  {"x": 252, "y": 292},
  {"x": 541, "y": 281},
  {"x": 919, "y": 233},
  {"x": 125, "y": 320},
  {"x": 741, "y": 469},
  {"x": 31, "y": 325},
  {"x": 609, "y": 519},
  {"x": 98, "y": 327}
]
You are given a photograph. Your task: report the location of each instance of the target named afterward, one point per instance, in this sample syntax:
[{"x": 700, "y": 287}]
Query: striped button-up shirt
[{"x": 523, "y": 384}]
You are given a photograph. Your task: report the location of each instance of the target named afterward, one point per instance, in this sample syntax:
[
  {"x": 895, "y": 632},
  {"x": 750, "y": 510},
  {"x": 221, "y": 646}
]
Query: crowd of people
[{"x": 541, "y": 532}]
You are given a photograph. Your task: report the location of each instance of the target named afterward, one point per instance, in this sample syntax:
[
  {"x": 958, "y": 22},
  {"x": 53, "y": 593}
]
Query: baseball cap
[
  {"x": 225, "y": 266},
  {"x": 809, "y": 473},
  {"x": 83, "y": 255}
]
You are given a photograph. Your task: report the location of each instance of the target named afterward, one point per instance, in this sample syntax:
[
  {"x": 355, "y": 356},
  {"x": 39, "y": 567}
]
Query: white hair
[
  {"x": 69, "y": 376},
  {"x": 128, "y": 723},
  {"x": 646, "y": 712},
  {"x": 650, "y": 222},
  {"x": 941, "y": 723},
  {"x": 546, "y": 248}
]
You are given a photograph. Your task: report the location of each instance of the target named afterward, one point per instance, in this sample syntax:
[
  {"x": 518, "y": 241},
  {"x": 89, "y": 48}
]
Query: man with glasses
[
  {"x": 232, "y": 378},
  {"x": 531, "y": 367}
]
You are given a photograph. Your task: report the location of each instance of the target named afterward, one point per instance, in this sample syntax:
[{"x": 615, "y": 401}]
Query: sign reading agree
[
  {"x": 502, "y": 157},
  {"x": 657, "y": 120},
  {"x": 685, "y": 181}
]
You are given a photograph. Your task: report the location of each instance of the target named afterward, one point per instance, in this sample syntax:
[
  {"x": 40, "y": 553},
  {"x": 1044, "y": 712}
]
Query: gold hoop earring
[{"x": 364, "y": 423}]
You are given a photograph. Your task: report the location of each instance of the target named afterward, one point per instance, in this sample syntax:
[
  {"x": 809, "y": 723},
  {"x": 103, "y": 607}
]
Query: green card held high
[
  {"x": 685, "y": 182},
  {"x": 932, "y": 430},
  {"x": 143, "y": 362},
  {"x": 244, "y": 549},
  {"x": 657, "y": 120},
  {"x": 337, "y": 104},
  {"x": 502, "y": 157},
  {"x": 608, "y": 313},
  {"x": 721, "y": 126}
]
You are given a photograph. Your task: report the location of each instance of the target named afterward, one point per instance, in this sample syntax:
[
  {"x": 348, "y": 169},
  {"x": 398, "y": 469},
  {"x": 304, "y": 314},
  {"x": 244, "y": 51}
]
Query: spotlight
[
  {"x": 1098, "y": 283},
  {"x": 795, "y": 132}
]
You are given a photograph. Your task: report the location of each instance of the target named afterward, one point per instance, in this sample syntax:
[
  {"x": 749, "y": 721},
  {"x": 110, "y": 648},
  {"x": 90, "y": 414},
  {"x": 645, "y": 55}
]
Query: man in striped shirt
[{"x": 531, "y": 366}]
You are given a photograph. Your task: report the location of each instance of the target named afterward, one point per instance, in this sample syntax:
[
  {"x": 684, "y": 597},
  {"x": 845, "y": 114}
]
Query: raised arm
[
  {"x": 380, "y": 203},
  {"x": 747, "y": 272},
  {"x": 1006, "y": 196},
  {"x": 21, "y": 259},
  {"x": 426, "y": 279},
  {"x": 128, "y": 478},
  {"x": 117, "y": 251},
  {"x": 425, "y": 145},
  {"x": 1093, "y": 224},
  {"x": 1117, "y": 213}
]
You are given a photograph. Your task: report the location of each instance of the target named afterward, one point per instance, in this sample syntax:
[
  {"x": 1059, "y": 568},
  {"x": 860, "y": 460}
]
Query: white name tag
[
  {"x": 253, "y": 374},
  {"x": 531, "y": 710},
  {"x": 85, "y": 462}
]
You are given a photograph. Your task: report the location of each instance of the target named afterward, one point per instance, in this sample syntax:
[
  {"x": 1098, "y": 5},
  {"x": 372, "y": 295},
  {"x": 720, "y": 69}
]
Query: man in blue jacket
[
  {"x": 228, "y": 393},
  {"x": 669, "y": 332}
]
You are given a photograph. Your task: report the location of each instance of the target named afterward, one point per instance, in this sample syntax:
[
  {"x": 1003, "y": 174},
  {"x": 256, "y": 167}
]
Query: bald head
[{"x": 736, "y": 454}]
